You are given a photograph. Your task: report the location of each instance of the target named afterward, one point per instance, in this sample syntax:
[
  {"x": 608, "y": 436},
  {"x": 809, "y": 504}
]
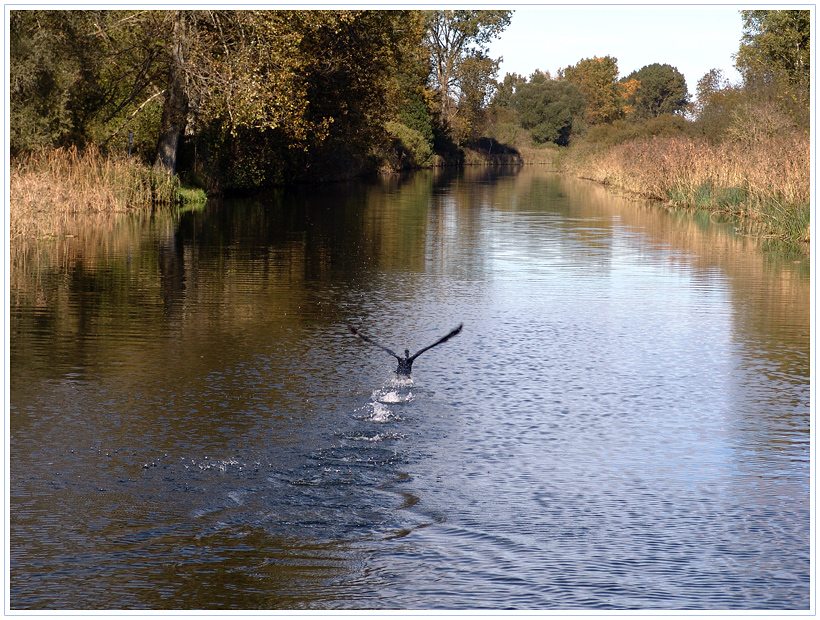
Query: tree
[
  {"x": 550, "y": 109},
  {"x": 476, "y": 90},
  {"x": 175, "y": 108},
  {"x": 776, "y": 44},
  {"x": 775, "y": 59},
  {"x": 505, "y": 89},
  {"x": 661, "y": 89},
  {"x": 597, "y": 79},
  {"x": 52, "y": 62},
  {"x": 456, "y": 43}
]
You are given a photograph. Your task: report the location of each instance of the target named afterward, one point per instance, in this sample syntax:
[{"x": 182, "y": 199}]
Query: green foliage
[
  {"x": 777, "y": 44},
  {"x": 621, "y": 131},
  {"x": 661, "y": 90},
  {"x": 416, "y": 116},
  {"x": 550, "y": 109},
  {"x": 189, "y": 195},
  {"x": 504, "y": 90},
  {"x": 412, "y": 147},
  {"x": 775, "y": 59},
  {"x": 51, "y": 58},
  {"x": 456, "y": 44},
  {"x": 597, "y": 79}
]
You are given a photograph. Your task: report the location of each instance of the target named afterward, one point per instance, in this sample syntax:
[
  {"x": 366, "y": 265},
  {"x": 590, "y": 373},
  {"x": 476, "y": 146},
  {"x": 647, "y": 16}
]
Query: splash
[{"x": 391, "y": 396}]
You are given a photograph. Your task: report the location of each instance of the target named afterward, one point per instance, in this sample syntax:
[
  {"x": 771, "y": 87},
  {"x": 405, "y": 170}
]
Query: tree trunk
[{"x": 175, "y": 110}]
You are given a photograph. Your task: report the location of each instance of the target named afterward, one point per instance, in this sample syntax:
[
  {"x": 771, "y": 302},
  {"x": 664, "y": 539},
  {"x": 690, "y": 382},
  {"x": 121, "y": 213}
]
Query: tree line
[
  {"x": 244, "y": 99},
  {"x": 583, "y": 99},
  {"x": 249, "y": 98}
]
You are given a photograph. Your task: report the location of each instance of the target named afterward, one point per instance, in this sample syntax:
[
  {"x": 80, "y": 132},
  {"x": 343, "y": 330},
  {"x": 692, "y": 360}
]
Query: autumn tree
[
  {"x": 660, "y": 89},
  {"x": 597, "y": 79},
  {"x": 457, "y": 46}
]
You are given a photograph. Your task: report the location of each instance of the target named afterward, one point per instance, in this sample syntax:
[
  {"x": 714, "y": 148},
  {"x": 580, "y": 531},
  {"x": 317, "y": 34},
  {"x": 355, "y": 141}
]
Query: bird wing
[
  {"x": 456, "y": 331},
  {"x": 358, "y": 334}
]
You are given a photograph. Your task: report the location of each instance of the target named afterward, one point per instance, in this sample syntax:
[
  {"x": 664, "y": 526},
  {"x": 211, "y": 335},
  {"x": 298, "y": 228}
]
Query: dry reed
[
  {"x": 766, "y": 181},
  {"x": 50, "y": 188}
]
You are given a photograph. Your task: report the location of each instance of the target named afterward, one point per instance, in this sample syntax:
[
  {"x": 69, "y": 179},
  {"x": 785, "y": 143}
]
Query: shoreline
[{"x": 51, "y": 189}]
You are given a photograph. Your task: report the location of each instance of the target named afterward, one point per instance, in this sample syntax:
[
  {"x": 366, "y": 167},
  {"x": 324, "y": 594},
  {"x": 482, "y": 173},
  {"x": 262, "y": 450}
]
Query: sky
[{"x": 694, "y": 40}]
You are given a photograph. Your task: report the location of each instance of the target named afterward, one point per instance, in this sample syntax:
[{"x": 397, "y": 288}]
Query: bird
[{"x": 405, "y": 366}]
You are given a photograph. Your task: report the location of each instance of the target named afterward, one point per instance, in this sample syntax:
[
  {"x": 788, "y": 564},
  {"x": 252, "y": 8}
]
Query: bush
[
  {"x": 621, "y": 131},
  {"x": 411, "y": 147}
]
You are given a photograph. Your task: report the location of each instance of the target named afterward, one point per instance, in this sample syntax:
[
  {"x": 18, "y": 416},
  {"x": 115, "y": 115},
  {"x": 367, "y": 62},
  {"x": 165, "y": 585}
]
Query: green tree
[
  {"x": 775, "y": 59},
  {"x": 661, "y": 90},
  {"x": 550, "y": 109},
  {"x": 457, "y": 46},
  {"x": 597, "y": 78},
  {"x": 506, "y": 88},
  {"x": 52, "y": 82},
  {"x": 777, "y": 45}
]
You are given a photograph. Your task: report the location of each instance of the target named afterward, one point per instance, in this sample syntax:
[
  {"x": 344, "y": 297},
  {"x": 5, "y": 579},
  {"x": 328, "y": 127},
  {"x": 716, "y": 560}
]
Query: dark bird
[{"x": 405, "y": 366}]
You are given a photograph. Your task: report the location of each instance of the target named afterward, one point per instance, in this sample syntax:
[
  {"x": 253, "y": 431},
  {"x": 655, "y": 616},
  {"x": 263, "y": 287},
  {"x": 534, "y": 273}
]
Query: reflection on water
[{"x": 622, "y": 424}]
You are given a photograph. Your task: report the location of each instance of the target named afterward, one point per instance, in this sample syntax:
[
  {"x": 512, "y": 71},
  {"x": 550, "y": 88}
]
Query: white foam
[{"x": 381, "y": 413}]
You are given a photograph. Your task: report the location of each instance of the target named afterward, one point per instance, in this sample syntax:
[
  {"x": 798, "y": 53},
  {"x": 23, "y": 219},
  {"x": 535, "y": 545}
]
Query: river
[{"x": 623, "y": 422}]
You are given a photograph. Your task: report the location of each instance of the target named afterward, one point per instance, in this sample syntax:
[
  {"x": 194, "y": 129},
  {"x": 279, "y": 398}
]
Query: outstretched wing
[
  {"x": 358, "y": 334},
  {"x": 455, "y": 332}
]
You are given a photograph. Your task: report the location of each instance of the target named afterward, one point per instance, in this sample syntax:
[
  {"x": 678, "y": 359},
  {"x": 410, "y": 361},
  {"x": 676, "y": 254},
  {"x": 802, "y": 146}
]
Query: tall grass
[
  {"x": 50, "y": 187},
  {"x": 765, "y": 181}
]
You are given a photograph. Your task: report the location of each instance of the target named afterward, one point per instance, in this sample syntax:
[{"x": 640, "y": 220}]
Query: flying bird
[{"x": 405, "y": 366}]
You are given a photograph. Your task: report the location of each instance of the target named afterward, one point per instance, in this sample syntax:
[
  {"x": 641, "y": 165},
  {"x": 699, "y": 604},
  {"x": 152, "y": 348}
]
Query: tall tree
[
  {"x": 175, "y": 109},
  {"x": 597, "y": 78},
  {"x": 506, "y": 88},
  {"x": 52, "y": 76},
  {"x": 776, "y": 44},
  {"x": 661, "y": 90},
  {"x": 457, "y": 45},
  {"x": 775, "y": 59}
]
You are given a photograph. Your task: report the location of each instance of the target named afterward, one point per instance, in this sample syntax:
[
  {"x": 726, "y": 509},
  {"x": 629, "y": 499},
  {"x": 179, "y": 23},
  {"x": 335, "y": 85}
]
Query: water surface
[{"x": 622, "y": 424}]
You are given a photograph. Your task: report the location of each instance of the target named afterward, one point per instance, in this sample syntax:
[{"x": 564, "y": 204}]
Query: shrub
[{"x": 411, "y": 146}]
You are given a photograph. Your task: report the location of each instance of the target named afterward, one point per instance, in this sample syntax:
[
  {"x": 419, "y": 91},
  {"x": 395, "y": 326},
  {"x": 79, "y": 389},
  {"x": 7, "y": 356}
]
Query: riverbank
[
  {"x": 764, "y": 184},
  {"x": 51, "y": 187}
]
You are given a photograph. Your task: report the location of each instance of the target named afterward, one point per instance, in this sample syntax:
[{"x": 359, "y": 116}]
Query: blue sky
[{"x": 692, "y": 39}]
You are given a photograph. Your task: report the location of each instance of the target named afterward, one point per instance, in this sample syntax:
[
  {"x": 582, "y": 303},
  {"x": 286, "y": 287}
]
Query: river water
[{"x": 623, "y": 422}]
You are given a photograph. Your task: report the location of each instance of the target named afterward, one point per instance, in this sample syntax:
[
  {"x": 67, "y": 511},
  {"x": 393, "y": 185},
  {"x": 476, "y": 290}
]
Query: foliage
[
  {"x": 51, "y": 66},
  {"x": 597, "y": 79},
  {"x": 660, "y": 89},
  {"x": 775, "y": 59},
  {"x": 621, "y": 131},
  {"x": 456, "y": 44},
  {"x": 477, "y": 88},
  {"x": 505, "y": 89},
  {"x": 777, "y": 44},
  {"x": 550, "y": 109},
  {"x": 412, "y": 148},
  {"x": 304, "y": 90},
  {"x": 416, "y": 115}
]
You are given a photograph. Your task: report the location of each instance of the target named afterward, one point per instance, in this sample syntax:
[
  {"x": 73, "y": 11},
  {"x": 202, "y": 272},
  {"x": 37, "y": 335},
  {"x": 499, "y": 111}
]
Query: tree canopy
[
  {"x": 550, "y": 109},
  {"x": 457, "y": 46},
  {"x": 597, "y": 78},
  {"x": 776, "y": 44},
  {"x": 661, "y": 89}
]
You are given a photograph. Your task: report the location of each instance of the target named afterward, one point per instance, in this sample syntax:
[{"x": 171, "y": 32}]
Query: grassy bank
[
  {"x": 50, "y": 187},
  {"x": 764, "y": 183}
]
